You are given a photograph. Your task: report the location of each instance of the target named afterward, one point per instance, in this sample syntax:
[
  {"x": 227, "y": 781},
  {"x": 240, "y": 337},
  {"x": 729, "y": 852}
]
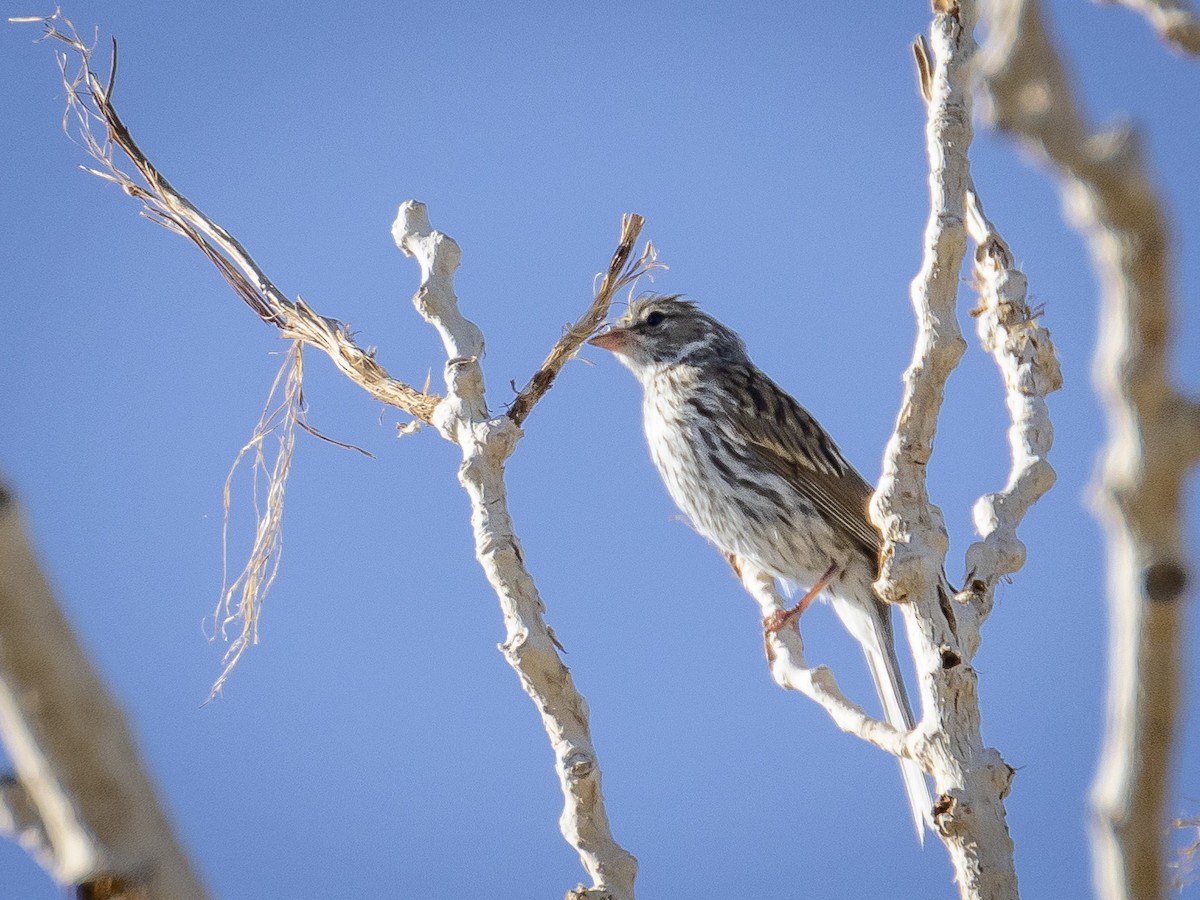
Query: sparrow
[{"x": 759, "y": 477}]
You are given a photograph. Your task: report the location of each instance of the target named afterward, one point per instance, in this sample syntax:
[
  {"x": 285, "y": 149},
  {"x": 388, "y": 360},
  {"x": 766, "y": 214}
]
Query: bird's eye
[{"x": 655, "y": 319}]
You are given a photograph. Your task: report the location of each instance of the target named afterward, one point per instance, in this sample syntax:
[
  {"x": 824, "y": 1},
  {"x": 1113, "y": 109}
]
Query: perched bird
[{"x": 762, "y": 480}]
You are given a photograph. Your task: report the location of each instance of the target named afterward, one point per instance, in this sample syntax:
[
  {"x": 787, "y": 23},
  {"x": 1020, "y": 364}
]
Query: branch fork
[
  {"x": 971, "y": 779},
  {"x": 785, "y": 656},
  {"x": 461, "y": 416},
  {"x": 486, "y": 442}
]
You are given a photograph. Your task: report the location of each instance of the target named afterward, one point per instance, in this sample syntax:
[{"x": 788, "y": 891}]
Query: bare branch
[
  {"x": 84, "y": 806},
  {"x": 1175, "y": 21},
  {"x": 530, "y": 646},
  {"x": 785, "y": 655},
  {"x": 622, "y": 272},
  {"x": 1153, "y": 439},
  {"x": 1023, "y": 352},
  {"x": 900, "y": 508},
  {"x": 971, "y": 780},
  {"x": 89, "y": 105}
]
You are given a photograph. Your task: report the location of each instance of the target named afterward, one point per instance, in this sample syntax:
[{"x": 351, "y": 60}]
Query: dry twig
[
  {"x": 622, "y": 272},
  {"x": 92, "y": 120},
  {"x": 271, "y": 461},
  {"x": 89, "y": 107}
]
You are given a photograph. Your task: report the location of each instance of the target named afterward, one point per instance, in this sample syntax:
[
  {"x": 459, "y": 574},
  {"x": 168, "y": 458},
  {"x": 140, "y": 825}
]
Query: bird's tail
[{"x": 873, "y": 629}]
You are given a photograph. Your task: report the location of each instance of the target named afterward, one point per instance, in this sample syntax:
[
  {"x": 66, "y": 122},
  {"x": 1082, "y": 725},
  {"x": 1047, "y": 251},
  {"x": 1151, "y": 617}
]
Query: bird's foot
[{"x": 782, "y": 618}]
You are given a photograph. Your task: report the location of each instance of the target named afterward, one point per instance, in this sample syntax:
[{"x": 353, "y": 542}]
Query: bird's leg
[{"x": 781, "y": 618}]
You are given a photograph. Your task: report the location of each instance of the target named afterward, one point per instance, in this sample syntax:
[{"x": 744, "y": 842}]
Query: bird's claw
[{"x": 781, "y": 618}]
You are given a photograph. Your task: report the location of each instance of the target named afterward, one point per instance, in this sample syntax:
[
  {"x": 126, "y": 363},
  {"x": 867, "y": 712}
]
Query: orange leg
[{"x": 781, "y": 618}]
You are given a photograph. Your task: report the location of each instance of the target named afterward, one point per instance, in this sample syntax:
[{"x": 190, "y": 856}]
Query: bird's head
[{"x": 659, "y": 331}]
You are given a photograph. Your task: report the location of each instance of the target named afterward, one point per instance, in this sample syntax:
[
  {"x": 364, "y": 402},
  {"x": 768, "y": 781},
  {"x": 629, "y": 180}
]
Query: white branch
[
  {"x": 530, "y": 647},
  {"x": 785, "y": 655},
  {"x": 912, "y": 527},
  {"x": 84, "y": 806},
  {"x": 971, "y": 780},
  {"x": 1023, "y": 352}
]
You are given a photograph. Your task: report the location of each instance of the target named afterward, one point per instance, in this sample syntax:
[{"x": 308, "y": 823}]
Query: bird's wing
[{"x": 793, "y": 445}]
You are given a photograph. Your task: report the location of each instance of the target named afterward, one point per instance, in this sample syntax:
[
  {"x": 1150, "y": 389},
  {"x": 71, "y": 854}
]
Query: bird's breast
[{"x": 725, "y": 490}]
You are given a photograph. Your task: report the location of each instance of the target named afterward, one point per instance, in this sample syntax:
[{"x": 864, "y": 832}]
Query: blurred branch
[
  {"x": 81, "y": 802},
  {"x": 1174, "y": 20},
  {"x": 622, "y": 272},
  {"x": 1153, "y": 438},
  {"x": 530, "y": 646}
]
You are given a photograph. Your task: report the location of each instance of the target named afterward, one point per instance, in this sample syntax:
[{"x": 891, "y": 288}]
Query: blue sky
[{"x": 375, "y": 743}]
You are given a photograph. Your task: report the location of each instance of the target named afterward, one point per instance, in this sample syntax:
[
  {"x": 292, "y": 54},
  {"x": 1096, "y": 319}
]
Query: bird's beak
[{"x": 615, "y": 339}]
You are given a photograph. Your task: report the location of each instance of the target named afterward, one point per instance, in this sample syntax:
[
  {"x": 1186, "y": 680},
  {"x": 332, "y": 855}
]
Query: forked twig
[
  {"x": 461, "y": 416},
  {"x": 530, "y": 646}
]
